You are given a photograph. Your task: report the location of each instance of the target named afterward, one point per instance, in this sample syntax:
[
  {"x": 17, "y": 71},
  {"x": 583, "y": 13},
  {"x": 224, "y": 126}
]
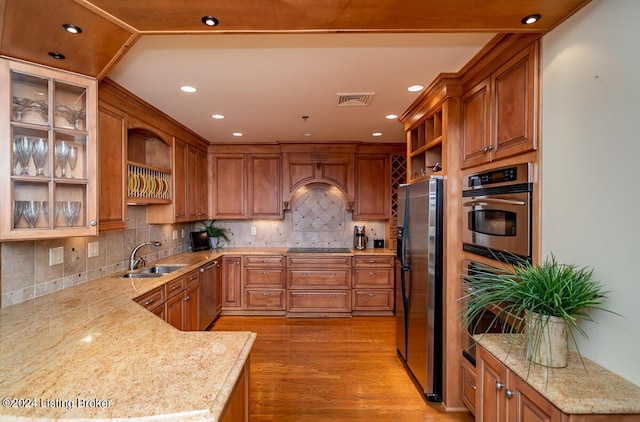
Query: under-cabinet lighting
[
  {"x": 415, "y": 88},
  {"x": 187, "y": 88},
  {"x": 531, "y": 19},
  {"x": 307, "y": 134},
  {"x": 376, "y": 134},
  {"x": 217, "y": 116},
  {"x": 391, "y": 116},
  {"x": 237, "y": 134}
]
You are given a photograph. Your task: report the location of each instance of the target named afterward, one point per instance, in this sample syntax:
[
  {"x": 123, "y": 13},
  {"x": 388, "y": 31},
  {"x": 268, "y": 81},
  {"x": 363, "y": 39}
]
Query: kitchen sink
[
  {"x": 161, "y": 269},
  {"x": 140, "y": 275}
]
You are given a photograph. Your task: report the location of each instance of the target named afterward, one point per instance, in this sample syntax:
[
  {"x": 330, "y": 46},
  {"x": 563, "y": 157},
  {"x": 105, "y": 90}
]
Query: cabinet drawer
[
  {"x": 264, "y": 261},
  {"x": 314, "y": 301},
  {"x": 191, "y": 278},
  {"x": 319, "y": 279},
  {"x": 373, "y": 261},
  {"x": 373, "y": 278},
  {"x": 373, "y": 300},
  {"x": 319, "y": 261},
  {"x": 265, "y": 299},
  {"x": 264, "y": 278},
  {"x": 152, "y": 299},
  {"x": 174, "y": 287},
  {"x": 468, "y": 388}
]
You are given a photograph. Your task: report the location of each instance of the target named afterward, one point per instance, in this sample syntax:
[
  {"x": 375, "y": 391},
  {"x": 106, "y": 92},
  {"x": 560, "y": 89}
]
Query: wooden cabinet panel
[
  {"x": 111, "y": 141},
  {"x": 180, "y": 181},
  {"x": 265, "y": 196},
  {"x": 475, "y": 124},
  {"x": 319, "y": 301},
  {"x": 315, "y": 261},
  {"x": 174, "y": 310},
  {"x": 231, "y": 282},
  {"x": 265, "y": 300},
  {"x": 317, "y": 279},
  {"x": 191, "y": 298},
  {"x": 229, "y": 186},
  {"x": 260, "y": 261},
  {"x": 373, "y": 188},
  {"x": 237, "y": 407},
  {"x": 192, "y": 184},
  {"x": 372, "y": 261},
  {"x": 376, "y": 278},
  {"x": 373, "y": 300},
  {"x": 468, "y": 387},
  {"x": 152, "y": 299},
  {"x": 202, "y": 181},
  {"x": 262, "y": 278},
  {"x": 175, "y": 287}
]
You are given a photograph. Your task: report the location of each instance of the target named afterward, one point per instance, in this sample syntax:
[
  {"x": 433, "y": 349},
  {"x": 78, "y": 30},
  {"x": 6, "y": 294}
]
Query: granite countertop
[
  {"x": 90, "y": 352},
  {"x": 576, "y": 389}
]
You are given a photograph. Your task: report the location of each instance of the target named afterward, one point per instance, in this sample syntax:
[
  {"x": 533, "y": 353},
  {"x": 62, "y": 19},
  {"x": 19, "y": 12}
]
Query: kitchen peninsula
[{"x": 91, "y": 352}]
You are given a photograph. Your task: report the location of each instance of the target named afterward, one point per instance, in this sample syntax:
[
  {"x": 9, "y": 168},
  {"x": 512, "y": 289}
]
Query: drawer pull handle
[
  {"x": 471, "y": 385},
  {"x": 372, "y": 294},
  {"x": 333, "y": 274},
  {"x": 509, "y": 393},
  {"x": 333, "y": 296},
  {"x": 304, "y": 274},
  {"x": 304, "y": 295},
  {"x": 149, "y": 302},
  {"x": 174, "y": 287},
  {"x": 265, "y": 294},
  {"x": 265, "y": 273},
  {"x": 372, "y": 273},
  {"x": 372, "y": 261}
]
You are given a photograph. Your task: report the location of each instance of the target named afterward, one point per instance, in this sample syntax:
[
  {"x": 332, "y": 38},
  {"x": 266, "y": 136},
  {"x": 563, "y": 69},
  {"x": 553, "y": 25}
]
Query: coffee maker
[{"x": 359, "y": 238}]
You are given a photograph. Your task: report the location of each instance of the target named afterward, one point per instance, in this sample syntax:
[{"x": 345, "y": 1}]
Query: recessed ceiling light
[
  {"x": 210, "y": 21},
  {"x": 307, "y": 134},
  {"x": 237, "y": 134},
  {"x": 391, "y": 116},
  {"x": 187, "y": 88},
  {"x": 376, "y": 134},
  {"x": 531, "y": 19},
  {"x": 217, "y": 116},
  {"x": 71, "y": 28},
  {"x": 415, "y": 88},
  {"x": 56, "y": 55}
]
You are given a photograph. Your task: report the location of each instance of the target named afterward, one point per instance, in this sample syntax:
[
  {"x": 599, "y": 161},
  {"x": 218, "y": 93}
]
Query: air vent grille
[{"x": 355, "y": 99}]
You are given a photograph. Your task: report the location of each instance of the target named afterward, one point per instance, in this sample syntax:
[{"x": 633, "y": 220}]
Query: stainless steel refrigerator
[{"x": 419, "y": 292}]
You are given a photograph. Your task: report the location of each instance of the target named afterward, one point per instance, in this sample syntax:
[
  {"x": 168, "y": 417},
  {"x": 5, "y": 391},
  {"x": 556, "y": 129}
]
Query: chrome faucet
[{"x": 133, "y": 262}]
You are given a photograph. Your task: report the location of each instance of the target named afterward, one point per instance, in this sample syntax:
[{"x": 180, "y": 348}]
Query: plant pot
[
  {"x": 546, "y": 340},
  {"x": 216, "y": 242}
]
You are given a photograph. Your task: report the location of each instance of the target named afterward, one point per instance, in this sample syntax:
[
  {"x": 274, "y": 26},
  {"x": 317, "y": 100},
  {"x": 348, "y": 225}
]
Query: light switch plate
[
  {"x": 175, "y": 235},
  {"x": 253, "y": 231},
  {"x": 56, "y": 256},
  {"x": 93, "y": 249}
]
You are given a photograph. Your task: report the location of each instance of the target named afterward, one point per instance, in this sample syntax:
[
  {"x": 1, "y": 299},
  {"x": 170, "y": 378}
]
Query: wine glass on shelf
[
  {"x": 42, "y": 108},
  {"x": 71, "y": 114},
  {"x": 17, "y": 212},
  {"x": 15, "y": 158},
  {"x": 70, "y": 212},
  {"x": 40, "y": 151},
  {"x": 45, "y": 210},
  {"x": 62, "y": 154},
  {"x": 19, "y": 106},
  {"x": 72, "y": 159},
  {"x": 31, "y": 211},
  {"x": 23, "y": 146}
]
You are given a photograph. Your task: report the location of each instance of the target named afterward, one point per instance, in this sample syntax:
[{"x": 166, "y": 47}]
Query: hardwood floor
[{"x": 330, "y": 369}]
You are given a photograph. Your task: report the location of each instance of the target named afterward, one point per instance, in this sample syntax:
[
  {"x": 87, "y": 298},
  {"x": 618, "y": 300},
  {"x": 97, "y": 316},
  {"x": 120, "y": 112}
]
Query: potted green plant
[
  {"x": 543, "y": 302},
  {"x": 216, "y": 235}
]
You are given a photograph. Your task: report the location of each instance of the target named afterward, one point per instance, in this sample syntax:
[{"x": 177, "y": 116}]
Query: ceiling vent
[{"x": 355, "y": 99}]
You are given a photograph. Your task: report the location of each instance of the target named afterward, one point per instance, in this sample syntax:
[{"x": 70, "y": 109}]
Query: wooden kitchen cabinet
[
  {"x": 231, "y": 283},
  {"x": 182, "y": 308},
  {"x": 265, "y": 186},
  {"x": 373, "y": 187},
  {"x": 229, "y": 186},
  {"x": 373, "y": 285},
  {"x": 318, "y": 285},
  {"x": 468, "y": 385},
  {"x": 500, "y": 113},
  {"x": 263, "y": 284},
  {"x": 49, "y": 159},
  {"x": 112, "y": 125}
]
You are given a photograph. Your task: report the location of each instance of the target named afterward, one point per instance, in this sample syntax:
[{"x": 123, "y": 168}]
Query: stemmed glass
[
  {"x": 72, "y": 158},
  {"x": 17, "y": 211},
  {"x": 40, "y": 150},
  {"x": 42, "y": 108},
  {"x": 23, "y": 146},
  {"x": 62, "y": 155},
  {"x": 31, "y": 211},
  {"x": 20, "y": 105},
  {"x": 70, "y": 212},
  {"x": 71, "y": 115},
  {"x": 15, "y": 158}
]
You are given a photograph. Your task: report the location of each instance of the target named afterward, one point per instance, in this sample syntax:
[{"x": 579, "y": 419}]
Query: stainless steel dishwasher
[{"x": 210, "y": 293}]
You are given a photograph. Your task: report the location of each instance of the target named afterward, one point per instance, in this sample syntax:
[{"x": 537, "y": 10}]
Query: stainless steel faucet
[{"x": 133, "y": 262}]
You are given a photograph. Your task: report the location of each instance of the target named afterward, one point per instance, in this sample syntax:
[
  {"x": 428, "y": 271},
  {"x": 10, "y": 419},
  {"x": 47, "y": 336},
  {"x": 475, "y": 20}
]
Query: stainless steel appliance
[
  {"x": 419, "y": 292},
  {"x": 497, "y": 208},
  {"x": 210, "y": 294},
  {"x": 360, "y": 238}
]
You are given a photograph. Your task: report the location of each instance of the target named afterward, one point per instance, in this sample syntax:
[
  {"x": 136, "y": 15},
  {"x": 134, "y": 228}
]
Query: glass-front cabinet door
[{"x": 47, "y": 153}]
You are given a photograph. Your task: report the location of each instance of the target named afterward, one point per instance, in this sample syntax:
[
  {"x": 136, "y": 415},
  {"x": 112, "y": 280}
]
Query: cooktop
[{"x": 318, "y": 250}]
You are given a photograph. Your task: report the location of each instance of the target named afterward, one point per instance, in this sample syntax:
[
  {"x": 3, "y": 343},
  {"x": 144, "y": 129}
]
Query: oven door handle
[{"x": 490, "y": 201}]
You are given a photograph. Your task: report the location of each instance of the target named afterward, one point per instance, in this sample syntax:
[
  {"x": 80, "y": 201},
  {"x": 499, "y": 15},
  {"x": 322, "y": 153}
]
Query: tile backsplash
[{"x": 25, "y": 271}]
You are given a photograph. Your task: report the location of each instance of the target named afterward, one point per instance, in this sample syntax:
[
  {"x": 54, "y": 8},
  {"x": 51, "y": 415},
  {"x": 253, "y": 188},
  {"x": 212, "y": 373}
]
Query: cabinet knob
[
  {"x": 128, "y": 218},
  {"x": 93, "y": 223},
  {"x": 265, "y": 273},
  {"x": 499, "y": 385},
  {"x": 372, "y": 273},
  {"x": 508, "y": 393},
  {"x": 372, "y": 294},
  {"x": 187, "y": 298},
  {"x": 487, "y": 148}
]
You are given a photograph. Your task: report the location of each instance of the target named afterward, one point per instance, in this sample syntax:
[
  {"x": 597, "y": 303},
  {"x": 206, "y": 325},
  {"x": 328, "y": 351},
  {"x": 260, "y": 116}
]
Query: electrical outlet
[
  {"x": 175, "y": 235},
  {"x": 182, "y": 234},
  {"x": 93, "y": 249},
  {"x": 253, "y": 231},
  {"x": 56, "y": 256}
]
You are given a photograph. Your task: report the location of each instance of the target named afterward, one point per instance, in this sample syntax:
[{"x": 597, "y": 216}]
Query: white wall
[{"x": 590, "y": 157}]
